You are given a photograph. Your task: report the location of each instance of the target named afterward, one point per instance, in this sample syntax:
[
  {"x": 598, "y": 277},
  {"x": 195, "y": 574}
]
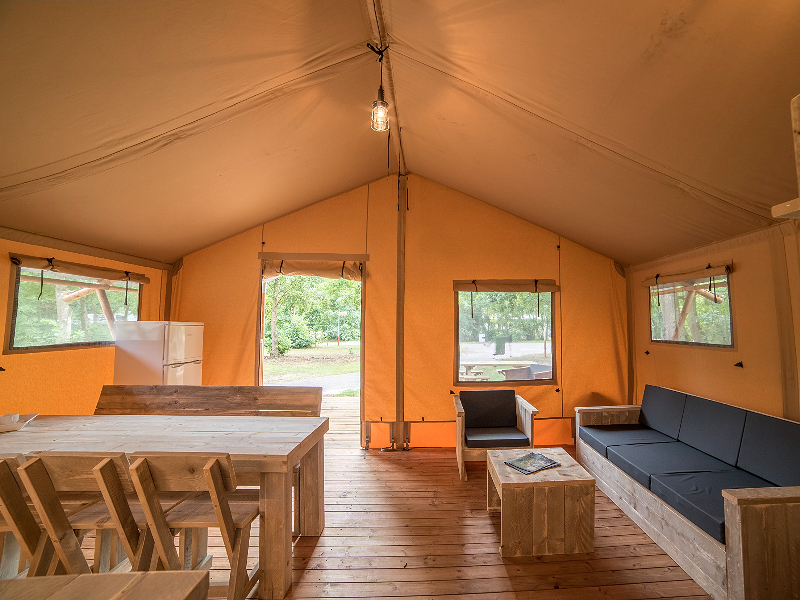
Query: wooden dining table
[{"x": 264, "y": 451}]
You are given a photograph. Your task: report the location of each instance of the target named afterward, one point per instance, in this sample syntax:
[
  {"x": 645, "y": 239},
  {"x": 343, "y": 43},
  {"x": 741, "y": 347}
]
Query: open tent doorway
[{"x": 313, "y": 335}]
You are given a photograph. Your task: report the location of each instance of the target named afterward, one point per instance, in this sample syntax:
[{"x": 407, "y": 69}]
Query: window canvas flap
[
  {"x": 688, "y": 276},
  {"x": 507, "y": 285},
  {"x": 68, "y": 268},
  {"x": 346, "y": 269}
]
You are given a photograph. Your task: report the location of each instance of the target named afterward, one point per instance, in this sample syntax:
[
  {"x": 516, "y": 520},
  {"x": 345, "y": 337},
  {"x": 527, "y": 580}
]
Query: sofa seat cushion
[
  {"x": 600, "y": 437},
  {"x": 698, "y": 496},
  {"x": 495, "y": 437},
  {"x": 640, "y": 461}
]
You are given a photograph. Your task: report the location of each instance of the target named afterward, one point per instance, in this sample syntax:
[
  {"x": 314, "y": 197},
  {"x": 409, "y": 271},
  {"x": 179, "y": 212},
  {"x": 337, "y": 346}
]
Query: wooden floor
[{"x": 401, "y": 524}]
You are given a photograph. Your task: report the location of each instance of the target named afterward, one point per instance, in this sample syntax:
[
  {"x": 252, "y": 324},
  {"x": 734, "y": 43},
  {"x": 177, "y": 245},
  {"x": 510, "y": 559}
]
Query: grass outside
[{"x": 319, "y": 361}]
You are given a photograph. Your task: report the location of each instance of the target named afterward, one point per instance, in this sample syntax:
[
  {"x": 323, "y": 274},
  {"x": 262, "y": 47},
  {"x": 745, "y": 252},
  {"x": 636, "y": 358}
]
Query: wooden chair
[
  {"x": 101, "y": 482},
  {"x": 210, "y": 400},
  {"x": 23, "y": 536},
  {"x": 493, "y": 420},
  {"x": 234, "y": 514}
]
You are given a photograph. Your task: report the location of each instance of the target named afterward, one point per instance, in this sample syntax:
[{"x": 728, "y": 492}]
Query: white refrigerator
[{"x": 158, "y": 353}]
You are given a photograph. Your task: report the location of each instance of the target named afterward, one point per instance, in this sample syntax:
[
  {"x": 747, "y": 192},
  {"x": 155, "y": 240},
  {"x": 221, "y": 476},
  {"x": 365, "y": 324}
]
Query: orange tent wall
[
  {"x": 448, "y": 236},
  {"x": 62, "y": 381},
  {"x": 756, "y": 319},
  {"x": 220, "y": 286},
  {"x": 451, "y": 236}
]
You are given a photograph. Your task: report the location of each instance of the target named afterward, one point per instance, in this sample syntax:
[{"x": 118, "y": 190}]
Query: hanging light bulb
[{"x": 380, "y": 113}]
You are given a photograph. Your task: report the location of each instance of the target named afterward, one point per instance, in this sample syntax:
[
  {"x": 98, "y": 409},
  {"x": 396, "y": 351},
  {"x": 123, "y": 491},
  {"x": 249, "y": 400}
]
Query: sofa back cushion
[
  {"x": 771, "y": 449},
  {"x": 712, "y": 427},
  {"x": 489, "y": 408},
  {"x": 662, "y": 410}
]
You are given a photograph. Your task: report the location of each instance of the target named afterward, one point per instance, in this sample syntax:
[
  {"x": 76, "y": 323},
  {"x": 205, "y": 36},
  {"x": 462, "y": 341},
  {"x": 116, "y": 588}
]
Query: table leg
[
  {"x": 275, "y": 535},
  {"x": 312, "y": 491}
]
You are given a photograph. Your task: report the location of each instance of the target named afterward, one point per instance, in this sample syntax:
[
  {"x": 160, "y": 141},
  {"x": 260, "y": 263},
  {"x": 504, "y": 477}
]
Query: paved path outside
[{"x": 332, "y": 384}]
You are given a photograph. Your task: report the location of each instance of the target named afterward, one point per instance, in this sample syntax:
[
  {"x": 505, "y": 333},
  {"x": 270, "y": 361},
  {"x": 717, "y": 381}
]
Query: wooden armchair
[{"x": 490, "y": 420}]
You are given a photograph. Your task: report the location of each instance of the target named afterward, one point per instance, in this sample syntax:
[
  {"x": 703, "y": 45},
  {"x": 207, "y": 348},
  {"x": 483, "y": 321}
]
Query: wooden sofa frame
[
  {"x": 762, "y": 525},
  {"x": 525, "y": 414}
]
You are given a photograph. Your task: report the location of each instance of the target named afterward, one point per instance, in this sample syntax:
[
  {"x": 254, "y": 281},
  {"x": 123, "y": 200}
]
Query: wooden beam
[
  {"x": 687, "y": 303},
  {"x": 109, "y": 314}
]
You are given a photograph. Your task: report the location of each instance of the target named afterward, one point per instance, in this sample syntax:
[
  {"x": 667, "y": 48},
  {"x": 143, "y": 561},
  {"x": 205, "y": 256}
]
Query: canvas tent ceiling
[{"x": 636, "y": 129}]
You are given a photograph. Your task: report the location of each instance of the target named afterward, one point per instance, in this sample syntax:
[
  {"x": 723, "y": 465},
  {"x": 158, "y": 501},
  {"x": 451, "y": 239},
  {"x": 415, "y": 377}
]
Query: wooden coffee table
[{"x": 548, "y": 512}]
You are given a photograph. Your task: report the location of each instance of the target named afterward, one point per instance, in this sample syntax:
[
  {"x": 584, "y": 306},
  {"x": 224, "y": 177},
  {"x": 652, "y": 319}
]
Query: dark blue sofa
[
  {"x": 709, "y": 462},
  {"x": 687, "y": 449}
]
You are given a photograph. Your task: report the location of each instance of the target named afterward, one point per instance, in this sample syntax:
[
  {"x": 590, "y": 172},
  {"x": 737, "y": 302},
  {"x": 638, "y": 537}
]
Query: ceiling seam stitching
[
  {"x": 170, "y": 131},
  {"x": 587, "y": 139}
]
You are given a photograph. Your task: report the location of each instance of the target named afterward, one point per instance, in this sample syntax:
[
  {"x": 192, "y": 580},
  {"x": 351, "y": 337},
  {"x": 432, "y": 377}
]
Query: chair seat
[
  {"x": 600, "y": 437},
  {"x": 198, "y": 511},
  {"x": 495, "y": 437},
  {"x": 640, "y": 461},
  {"x": 96, "y": 516},
  {"x": 698, "y": 496}
]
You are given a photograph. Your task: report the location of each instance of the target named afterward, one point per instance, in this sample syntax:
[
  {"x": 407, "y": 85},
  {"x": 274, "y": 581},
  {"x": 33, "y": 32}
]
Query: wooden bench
[{"x": 210, "y": 400}]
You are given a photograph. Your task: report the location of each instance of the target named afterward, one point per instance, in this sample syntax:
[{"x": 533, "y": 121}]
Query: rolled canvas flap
[
  {"x": 507, "y": 285},
  {"x": 689, "y": 275},
  {"x": 68, "y": 268},
  {"x": 343, "y": 269}
]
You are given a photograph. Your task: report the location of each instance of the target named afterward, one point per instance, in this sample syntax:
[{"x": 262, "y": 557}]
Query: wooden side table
[{"x": 548, "y": 512}]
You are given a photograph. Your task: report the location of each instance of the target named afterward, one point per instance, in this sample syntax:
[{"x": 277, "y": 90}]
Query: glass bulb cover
[{"x": 380, "y": 115}]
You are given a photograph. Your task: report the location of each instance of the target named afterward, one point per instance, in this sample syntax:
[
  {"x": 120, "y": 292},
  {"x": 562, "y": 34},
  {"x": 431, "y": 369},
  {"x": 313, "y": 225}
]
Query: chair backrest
[
  {"x": 51, "y": 473},
  {"x": 712, "y": 427},
  {"x": 183, "y": 472},
  {"x": 207, "y": 400},
  {"x": 74, "y": 471},
  {"x": 489, "y": 408},
  {"x": 15, "y": 509}
]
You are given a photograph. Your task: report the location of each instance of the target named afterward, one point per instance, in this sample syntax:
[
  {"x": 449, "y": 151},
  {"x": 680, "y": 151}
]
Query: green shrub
[{"x": 298, "y": 332}]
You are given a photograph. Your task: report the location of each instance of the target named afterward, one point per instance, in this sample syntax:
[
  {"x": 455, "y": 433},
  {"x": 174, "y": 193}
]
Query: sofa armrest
[
  {"x": 625, "y": 414},
  {"x": 766, "y": 495},
  {"x": 761, "y": 540},
  {"x": 525, "y": 414},
  {"x": 459, "y": 407}
]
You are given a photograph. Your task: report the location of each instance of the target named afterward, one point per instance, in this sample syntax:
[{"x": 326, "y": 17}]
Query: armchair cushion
[
  {"x": 489, "y": 408},
  {"x": 600, "y": 437},
  {"x": 698, "y": 496},
  {"x": 640, "y": 461},
  {"x": 712, "y": 427},
  {"x": 662, "y": 410},
  {"x": 495, "y": 437}
]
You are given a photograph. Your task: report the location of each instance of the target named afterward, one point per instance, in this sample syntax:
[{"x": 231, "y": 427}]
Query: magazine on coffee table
[{"x": 532, "y": 462}]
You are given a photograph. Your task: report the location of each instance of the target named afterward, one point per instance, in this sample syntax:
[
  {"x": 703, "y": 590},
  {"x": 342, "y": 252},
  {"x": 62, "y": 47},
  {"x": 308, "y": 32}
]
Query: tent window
[
  {"x": 56, "y": 309},
  {"x": 504, "y": 336},
  {"x": 694, "y": 311}
]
